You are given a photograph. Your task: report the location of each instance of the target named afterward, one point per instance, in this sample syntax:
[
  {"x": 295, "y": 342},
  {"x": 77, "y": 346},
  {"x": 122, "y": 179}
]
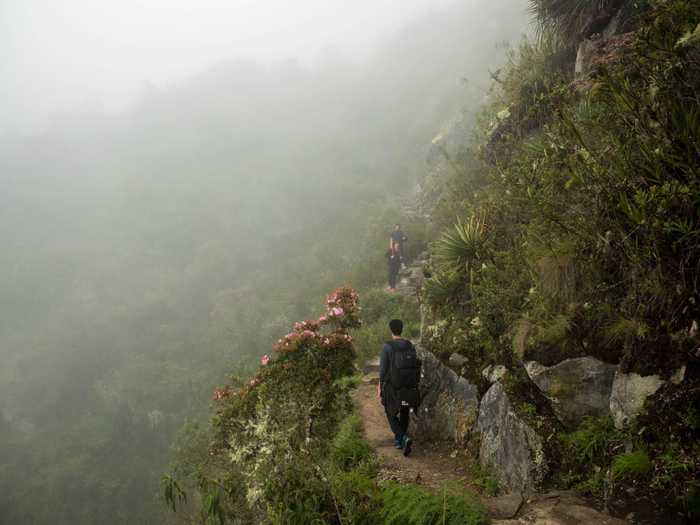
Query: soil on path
[
  {"x": 434, "y": 466},
  {"x": 429, "y": 464}
]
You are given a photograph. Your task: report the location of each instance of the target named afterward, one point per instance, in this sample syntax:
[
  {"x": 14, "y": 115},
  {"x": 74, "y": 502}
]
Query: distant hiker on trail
[
  {"x": 397, "y": 240},
  {"x": 399, "y": 375},
  {"x": 394, "y": 265}
]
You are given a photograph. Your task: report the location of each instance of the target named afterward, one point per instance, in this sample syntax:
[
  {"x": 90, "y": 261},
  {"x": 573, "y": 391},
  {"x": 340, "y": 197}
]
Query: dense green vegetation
[{"x": 577, "y": 233}]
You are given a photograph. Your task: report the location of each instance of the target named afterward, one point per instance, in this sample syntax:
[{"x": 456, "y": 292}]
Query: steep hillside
[
  {"x": 559, "y": 313},
  {"x": 567, "y": 290}
]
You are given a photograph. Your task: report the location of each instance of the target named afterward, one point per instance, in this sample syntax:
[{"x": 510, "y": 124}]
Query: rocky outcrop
[
  {"x": 457, "y": 360},
  {"x": 629, "y": 391},
  {"x": 577, "y": 387},
  {"x": 509, "y": 446},
  {"x": 449, "y": 403},
  {"x": 559, "y": 508},
  {"x": 594, "y": 53},
  {"x": 493, "y": 373}
]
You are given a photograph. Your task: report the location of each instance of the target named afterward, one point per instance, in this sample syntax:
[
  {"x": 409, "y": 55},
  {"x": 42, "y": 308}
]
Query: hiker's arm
[{"x": 383, "y": 368}]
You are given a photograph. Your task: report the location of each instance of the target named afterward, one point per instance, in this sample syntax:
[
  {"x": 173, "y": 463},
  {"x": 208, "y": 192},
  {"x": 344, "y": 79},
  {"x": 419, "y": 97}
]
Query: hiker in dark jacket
[
  {"x": 394, "y": 265},
  {"x": 397, "y": 240},
  {"x": 396, "y": 404}
]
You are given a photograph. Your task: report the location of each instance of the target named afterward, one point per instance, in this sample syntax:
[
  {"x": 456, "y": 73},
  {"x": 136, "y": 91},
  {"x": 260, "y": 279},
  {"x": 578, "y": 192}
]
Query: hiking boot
[
  {"x": 398, "y": 443},
  {"x": 407, "y": 442}
]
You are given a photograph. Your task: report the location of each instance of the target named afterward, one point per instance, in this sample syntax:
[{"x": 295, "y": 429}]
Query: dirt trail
[
  {"x": 427, "y": 465},
  {"x": 434, "y": 468}
]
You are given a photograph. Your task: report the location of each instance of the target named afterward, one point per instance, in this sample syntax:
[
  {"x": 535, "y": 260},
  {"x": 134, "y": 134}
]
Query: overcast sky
[{"x": 58, "y": 55}]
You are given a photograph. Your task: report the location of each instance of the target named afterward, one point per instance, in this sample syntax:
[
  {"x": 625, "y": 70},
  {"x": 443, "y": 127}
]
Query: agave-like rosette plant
[
  {"x": 441, "y": 288},
  {"x": 461, "y": 246}
]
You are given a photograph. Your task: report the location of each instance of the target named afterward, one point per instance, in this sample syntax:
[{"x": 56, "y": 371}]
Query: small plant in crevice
[{"x": 631, "y": 466}]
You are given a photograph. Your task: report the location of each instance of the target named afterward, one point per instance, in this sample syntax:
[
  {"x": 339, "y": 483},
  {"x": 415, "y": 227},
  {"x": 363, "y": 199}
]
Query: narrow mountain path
[
  {"x": 427, "y": 465},
  {"x": 435, "y": 466}
]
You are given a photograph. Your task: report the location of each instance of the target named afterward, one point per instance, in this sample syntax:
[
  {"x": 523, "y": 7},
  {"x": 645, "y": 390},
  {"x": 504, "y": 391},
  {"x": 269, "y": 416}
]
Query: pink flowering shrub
[
  {"x": 292, "y": 401},
  {"x": 271, "y": 431}
]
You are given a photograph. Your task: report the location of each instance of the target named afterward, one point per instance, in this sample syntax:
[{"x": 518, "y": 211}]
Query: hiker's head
[
  {"x": 396, "y": 326},
  {"x": 397, "y": 226}
]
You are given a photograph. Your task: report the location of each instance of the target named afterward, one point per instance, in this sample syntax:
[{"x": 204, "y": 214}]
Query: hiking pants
[
  {"x": 392, "y": 277},
  {"x": 398, "y": 421}
]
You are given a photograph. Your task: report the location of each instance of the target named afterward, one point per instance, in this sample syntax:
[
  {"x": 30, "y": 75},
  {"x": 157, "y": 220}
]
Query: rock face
[
  {"x": 629, "y": 391},
  {"x": 509, "y": 447},
  {"x": 449, "y": 403},
  {"x": 593, "y": 53},
  {"x": 457, "y": 360},
  {"x": 559, "y": 508},
  {"x": 577, "y": 387},
  {"x": 503, "y": 507},
  {"x": 493, "y": 373}
]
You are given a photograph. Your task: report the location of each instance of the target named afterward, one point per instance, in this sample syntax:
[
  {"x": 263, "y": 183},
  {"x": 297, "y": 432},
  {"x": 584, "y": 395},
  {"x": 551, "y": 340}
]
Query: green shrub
[
  {"x": 632, "y": 465},
  {"x": 411, "y": 505},
  {"x": 461, "y": 247},
  {"x": 349, "y": 448},
  {"x": 590, "y": 441},
  {"x": 482, "y": 477},
  {"x": 357, "y": 497}
]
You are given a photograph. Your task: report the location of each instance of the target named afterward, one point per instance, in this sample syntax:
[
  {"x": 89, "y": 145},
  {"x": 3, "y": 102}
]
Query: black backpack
[{"x": 404, "y": 373}]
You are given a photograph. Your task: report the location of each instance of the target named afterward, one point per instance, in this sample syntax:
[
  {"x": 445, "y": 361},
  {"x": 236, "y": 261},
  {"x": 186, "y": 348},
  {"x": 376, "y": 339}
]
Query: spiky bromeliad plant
[
  {"x": 459, "y": 248},
  {"x": 570, "y": 18}
]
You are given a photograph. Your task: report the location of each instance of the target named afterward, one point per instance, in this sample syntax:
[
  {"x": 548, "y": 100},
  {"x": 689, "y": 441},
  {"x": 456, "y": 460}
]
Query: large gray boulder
[
  {"x": 449, "y": 403},
  {"x": 577, "y": 387},
  {"x": 509, "y": 446},
  {"x": 629, "y": 391}
]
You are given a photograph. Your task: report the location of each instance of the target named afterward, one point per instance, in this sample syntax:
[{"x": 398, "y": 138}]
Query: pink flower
[
  {"x": 220, "y": 393},
  {"x": 308, "y": 333},
  {"x": 322, "y": 319},
  {"x": 264, "y": 360},
  {"x": 337, "y": 311}
]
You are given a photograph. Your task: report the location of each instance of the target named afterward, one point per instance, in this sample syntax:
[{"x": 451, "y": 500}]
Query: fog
[
  {"x": 59, "y": 57},
  {"x": 178, "y": 183}
]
